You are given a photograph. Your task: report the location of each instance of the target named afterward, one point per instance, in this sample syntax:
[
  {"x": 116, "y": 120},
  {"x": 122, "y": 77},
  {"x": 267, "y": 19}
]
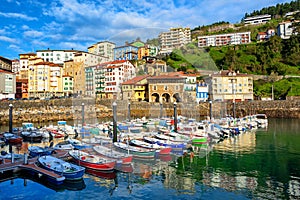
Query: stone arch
[
  {"x": 166, "y": 97},
  {"x": 176, "y": 97},
  {"x": 155, "y": 97}
]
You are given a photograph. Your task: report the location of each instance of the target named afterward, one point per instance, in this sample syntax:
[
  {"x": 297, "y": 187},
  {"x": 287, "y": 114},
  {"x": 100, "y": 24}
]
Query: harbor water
[{"x": 255, "y": 165}]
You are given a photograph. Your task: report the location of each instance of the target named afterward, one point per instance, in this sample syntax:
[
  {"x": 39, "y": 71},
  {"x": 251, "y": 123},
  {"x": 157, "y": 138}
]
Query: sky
[{"x": 30, "y": 25}]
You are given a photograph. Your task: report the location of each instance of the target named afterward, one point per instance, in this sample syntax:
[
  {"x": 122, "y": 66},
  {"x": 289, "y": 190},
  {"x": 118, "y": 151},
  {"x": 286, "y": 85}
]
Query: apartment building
[
  {"x": 15, "y": 65},
  {"x": 45, "y": 80},
  {"x": 7, "y": 84},
  {"x": 89, "y": 81},
  {"x": 285, "y": 29},
  {"x": 135, "y": 89},
  {"x": 56, "y": 56},
  {"x": 21, "y": 88},
  {"x": 126, "y": 52},
  {"x": 224, "y": 39},
  {"x": 201, "y": 92},
  {"x": 173, "y": 39},
  {"x": 230, "y": 86},
  {"x": 67, "y": 85},
  {"x": 104, "y": 49},
  {"x": 26, "y": 60},
  {"x": 99, "y": 74},
  {"x": 116, "y": 73},
  {"x": 5, "y": 64},
  {"x": 259, "y": 19}
]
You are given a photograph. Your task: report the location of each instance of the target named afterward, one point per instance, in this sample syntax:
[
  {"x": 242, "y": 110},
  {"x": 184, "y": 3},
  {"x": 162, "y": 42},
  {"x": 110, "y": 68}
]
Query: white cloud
[
  {"x": 18, "y": 15},
  {"x": 16, "y": 48},
  {"x": 8, "y": 39},
  {"x": 25, "y": 27},
  {"x": 33, "y": 34}
]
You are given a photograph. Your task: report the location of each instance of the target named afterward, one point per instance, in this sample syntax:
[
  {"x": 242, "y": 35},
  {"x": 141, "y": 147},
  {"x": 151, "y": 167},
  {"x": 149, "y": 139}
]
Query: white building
[
  {"x": 104, "y": 49},
  {"x": 116, "y": 73},
  {"x": 15, "y": 65},
  {"x": 7, "y": 84},
  {"x": 224, "y": 39},
  {"x": 259, "y": 19},
  {"x": 175, "y": 38},
  {"x": 56, "y": 56},
  {"x": 285, "y": 29}
]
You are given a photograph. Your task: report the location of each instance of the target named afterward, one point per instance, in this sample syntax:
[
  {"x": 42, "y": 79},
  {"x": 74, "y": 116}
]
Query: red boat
[
  {"x": 92, "y": 161},
  {"x": 12, "y": 138},
  {"x": 165, "y": 151},
  {"x": 101, "y": 174}
]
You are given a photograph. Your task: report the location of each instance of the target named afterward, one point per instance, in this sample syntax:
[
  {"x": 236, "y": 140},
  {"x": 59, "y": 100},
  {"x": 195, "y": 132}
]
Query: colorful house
[{"x": 136, "y": 89}]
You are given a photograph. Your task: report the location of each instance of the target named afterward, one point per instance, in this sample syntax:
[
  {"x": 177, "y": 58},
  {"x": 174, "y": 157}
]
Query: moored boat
[
  {"x": 69, "y": 170},
  {"x": 32, "y": 136},
  {"x": 11, "y": 138},
  {"x": 120, "y": 157},
  {"x": 92, "y": 161},
  {"x": 159, "y": 148},
  {"x": 137, "y": 152},
  {"x": 40, "y": 151}
]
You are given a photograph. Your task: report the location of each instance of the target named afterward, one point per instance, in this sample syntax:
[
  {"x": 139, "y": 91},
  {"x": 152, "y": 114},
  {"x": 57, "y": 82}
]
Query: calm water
[{"x": 261, "y": 165}]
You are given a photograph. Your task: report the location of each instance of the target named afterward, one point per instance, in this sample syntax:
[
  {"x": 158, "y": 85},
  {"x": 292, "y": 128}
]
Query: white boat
[
  {"x": 262, "y": 120},
  {"x": 111, "y": 153},
  {"x": 69, "y": 170}
]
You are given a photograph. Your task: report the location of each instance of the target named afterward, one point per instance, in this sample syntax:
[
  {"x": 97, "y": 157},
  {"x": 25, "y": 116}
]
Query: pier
[{"x": 30, "y": 165}]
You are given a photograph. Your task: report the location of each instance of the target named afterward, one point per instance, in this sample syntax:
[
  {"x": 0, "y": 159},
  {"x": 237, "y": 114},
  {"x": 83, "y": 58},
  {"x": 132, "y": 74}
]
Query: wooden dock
[{"x": 31, "y": 165}]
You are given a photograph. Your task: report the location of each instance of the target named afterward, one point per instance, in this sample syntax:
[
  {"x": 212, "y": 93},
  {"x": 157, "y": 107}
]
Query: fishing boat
[
  {"x": 11, "y": 138},
  {"x": 64, "y": 145},
  {"x": 69, "y": 170},
  {"x": 159, "y": 148},
  {"x": 77, "y": 144},
  {"x": 40, "y": 151},
  {"x": 137, "y": 152},
  {"x": 176, "y": 146},
  {"x": 92, "y": 161},
  {"x": 32, "y": 136},
  {"x": 261, "y": 120},
  {"x": 120, "y": 157}
]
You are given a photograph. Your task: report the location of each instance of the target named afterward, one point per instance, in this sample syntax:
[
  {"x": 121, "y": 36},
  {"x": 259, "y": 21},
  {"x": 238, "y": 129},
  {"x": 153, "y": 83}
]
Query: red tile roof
[{"x": 135, "y": 80}]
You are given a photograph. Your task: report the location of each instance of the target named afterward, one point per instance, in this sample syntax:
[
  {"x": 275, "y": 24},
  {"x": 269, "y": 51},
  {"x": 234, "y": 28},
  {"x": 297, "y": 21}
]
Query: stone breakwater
[{"x": 71, "y": 109}]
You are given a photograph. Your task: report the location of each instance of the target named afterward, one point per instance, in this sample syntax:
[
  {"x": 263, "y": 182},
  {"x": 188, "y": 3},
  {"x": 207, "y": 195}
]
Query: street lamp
[
  {"x": 175, "y": 116},
  {"x": 10, "y": 117}
]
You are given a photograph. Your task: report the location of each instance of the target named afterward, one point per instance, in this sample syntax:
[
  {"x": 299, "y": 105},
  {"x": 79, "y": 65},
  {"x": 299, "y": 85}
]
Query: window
[
  {"x": 166, "y": 87},
  {"x": 154, "y": 87}
]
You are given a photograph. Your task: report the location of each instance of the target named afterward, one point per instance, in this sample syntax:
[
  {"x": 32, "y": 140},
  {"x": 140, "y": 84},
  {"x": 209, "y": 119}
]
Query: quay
[{"x": 30, "y": 165}]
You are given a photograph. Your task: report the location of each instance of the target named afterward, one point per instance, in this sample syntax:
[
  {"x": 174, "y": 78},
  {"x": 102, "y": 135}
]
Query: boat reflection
[
  {"x": 25, "y": 175},
  {"x": 102, "y": 174}
]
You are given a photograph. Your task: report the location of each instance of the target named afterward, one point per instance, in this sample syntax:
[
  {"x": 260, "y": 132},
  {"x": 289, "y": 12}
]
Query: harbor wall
[{"x": 71, "y": 109}]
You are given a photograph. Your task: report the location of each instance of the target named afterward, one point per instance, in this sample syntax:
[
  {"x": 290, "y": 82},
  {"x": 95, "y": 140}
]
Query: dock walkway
[{"x": 30, "y": 165}]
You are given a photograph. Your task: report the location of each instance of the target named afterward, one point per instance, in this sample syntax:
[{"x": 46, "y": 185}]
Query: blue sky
[{"x": 30, "y": 25}]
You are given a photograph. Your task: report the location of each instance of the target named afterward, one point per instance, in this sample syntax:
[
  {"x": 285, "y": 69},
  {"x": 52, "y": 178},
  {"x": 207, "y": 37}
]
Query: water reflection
[{"x": 261, "y": 165}]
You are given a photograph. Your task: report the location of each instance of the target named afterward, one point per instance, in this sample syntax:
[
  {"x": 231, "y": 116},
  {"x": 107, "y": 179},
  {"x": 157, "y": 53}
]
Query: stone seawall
[{"x": 71, "y": 109}]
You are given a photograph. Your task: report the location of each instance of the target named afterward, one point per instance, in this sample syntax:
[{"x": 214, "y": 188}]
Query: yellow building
[
  {"x": 230, "y": 86},
  {"x": 45, "y": 80},
  {"x": 26, "y": 60},
  {"x": 135, "y": 89}
]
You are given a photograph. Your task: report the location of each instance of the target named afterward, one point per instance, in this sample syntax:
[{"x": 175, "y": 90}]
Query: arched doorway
[
  {"x": 177, "y": 98},
  {"x": 166, "y": 97},
  {"x": 155, "y": 97}
]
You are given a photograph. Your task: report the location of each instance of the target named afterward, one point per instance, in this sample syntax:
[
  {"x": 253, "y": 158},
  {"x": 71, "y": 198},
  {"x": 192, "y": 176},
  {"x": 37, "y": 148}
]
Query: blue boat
[
  {"x": 69, "y": 170},
  {"x": 40, "y": 151}
]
